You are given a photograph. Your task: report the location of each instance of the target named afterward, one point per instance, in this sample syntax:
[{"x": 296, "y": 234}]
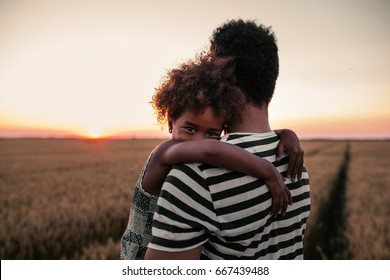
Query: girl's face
[{"x": 190, "y": 126}]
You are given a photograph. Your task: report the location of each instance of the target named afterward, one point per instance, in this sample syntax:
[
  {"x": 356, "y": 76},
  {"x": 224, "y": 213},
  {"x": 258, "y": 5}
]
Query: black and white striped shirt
[{"x": 229, "y": 212}]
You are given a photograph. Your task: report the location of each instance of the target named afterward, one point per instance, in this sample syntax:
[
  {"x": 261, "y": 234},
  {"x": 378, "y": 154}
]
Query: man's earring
[{"x": 170, "y": 129}]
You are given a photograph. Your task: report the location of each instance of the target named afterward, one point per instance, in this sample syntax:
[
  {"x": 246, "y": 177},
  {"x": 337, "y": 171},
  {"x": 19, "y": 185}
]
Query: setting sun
[{"x": 94, "y": 133}]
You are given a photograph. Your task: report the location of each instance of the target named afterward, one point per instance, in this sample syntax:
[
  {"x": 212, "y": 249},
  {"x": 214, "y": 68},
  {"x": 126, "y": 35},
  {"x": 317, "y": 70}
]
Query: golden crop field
[
  {"x": 69, "y": 199},
  {"x": 350, "y": 195},
  {"x": 60, "y": 198},
  {"x": 368, "y": 201}
]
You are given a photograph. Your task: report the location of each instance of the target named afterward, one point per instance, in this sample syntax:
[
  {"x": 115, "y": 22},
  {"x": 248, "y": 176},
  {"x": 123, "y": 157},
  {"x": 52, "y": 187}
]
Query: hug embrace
[{"x": 226, "y": 186}]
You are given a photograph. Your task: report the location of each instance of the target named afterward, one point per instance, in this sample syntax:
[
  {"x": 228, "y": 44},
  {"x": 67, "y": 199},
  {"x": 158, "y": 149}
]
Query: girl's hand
[
  {"x": 289, "y": 142},
  {"x": 281, "y": 195}
]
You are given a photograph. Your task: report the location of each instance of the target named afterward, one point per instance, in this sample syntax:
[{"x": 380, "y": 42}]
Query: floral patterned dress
[{"x": 138, "y": 233}]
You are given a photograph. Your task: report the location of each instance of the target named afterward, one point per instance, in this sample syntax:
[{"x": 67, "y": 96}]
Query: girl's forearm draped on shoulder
[
  {"x": 223, "y": 155},
  {"x": 219, "y": 154}
]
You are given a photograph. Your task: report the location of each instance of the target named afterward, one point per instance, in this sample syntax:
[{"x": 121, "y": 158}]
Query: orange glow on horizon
[
  {"x": 341, "y": 127},
  {"x": 334, "y": 128}
]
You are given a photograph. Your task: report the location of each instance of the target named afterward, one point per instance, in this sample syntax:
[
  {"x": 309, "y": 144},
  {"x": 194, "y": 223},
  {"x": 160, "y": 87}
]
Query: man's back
[{"x": 228, "y": 212}]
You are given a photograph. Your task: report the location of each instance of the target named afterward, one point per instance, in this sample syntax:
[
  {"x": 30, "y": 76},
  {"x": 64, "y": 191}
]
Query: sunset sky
[{"x": 89, "y": 68}]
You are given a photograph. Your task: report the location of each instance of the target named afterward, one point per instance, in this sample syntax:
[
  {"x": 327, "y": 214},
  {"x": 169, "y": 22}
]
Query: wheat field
[
  {"x": 69, "y": 199},
  {"x": 368, "y": 201}
]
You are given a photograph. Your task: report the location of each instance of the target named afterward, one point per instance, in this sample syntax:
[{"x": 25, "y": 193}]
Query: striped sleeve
[{"x": 185, "y": 211}]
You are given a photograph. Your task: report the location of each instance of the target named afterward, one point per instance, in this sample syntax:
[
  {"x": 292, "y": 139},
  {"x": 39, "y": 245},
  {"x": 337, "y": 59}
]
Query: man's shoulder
[
  {"x": 248, "y": 139},
  {"x": 189, "y": 169}
]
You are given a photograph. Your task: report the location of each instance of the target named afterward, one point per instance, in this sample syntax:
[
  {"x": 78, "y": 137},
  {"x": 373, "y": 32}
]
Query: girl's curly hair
[
  {"x": 197, "y": 84},
  {"x": 255, "y": 54}
]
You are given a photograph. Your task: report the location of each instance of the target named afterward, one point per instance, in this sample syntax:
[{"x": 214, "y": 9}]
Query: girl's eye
[
  {"x": 190, "y": 129},
  {"x": 214, "y": 134}
]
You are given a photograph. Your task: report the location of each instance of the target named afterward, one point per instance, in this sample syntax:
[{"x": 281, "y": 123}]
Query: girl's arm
[
  {"x": 234, "y": 158},
  {"x": 289, "y": 142}
]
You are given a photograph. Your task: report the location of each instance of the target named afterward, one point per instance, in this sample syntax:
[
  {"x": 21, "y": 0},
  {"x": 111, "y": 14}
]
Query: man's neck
[{"x": 254, "y": 120}]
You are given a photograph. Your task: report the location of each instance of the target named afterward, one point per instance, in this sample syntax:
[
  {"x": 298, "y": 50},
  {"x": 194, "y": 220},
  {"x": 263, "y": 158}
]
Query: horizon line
[{"x": 164, "y": 138}]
